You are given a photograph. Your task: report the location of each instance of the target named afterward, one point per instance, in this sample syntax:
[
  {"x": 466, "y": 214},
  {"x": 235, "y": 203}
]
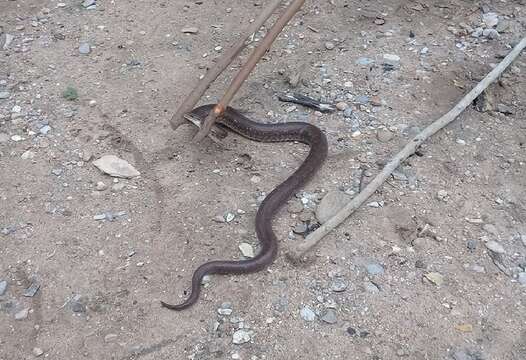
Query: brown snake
[{"x": 292, "y": 131}]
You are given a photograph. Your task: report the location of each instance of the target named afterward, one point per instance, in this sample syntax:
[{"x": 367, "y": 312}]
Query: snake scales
[{"x": 283, "y": 132}]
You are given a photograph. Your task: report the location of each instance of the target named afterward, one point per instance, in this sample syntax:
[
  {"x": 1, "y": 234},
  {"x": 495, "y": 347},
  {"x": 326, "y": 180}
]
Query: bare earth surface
[{"x": 432, "y": 268}]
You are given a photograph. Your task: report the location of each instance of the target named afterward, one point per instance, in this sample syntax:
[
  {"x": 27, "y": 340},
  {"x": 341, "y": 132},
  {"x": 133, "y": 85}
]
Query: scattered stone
[
  {"x": 364, "y": 61},
  {"x": 116, "y": 167},
  {"x": 22, "y": 314},
  {"x": 77, "y": 304},
  {"x": 461, "y": 355},
  {"x": 521, "y": 278},
  {"x": 300, "y": 228},
  {"x": 241, "y": 336},
  {"x": 89, "y": 4},
  {"x": 471, "y": 244},
  {"x": 435, "y": 278},
  {"x": 374, "y": 269},
  {"x": 331, "y": 203},
  {"x": 490, "y": 19},
  {"x": 190, "y": 30},
  {"x": 101, "y": 186},
  {"x": 442, "y": 195},
  {"x": 371, "y": 287},
  {"x": 84, "y": 48},
  {"x": 329, "y": 45},
  {"x": 375, "y": 204},
  {"x": 338, "y": 285},
  {"x": 3, "y": 287},
  {"x": 229, "y": 217},
  {"x": 38, "y": 352},
  {"x": 57, "y": 171},
  {"x": 307, "y": 314},
  {"x": 247, "y": 250},
  {"x": 4, "y": 94},
  {"x": 7, "y": 39},
  {"x": 491, "y": 34},
  {"x": 32, "y": 289},
  {"x": 351, "y": 331},
  {"x": 348, "y": 113},
  {"x": 225, "y": 309},
  {"x": 505, "y": 109},
  {"x": 384, "y": 135},
  {"x": 44, "y": 129},
  {"x": 464, "y": 327},
  {"x": 495, "y": 247},
  {"x": 391, "y": 60},
  {"x": 329, "y": 317},
  {"x": 362, "y": 99},
  {"x": 342, "y": 105},
  {"x": 28, "y": 155},
  {"x": 110, "y": 338}
]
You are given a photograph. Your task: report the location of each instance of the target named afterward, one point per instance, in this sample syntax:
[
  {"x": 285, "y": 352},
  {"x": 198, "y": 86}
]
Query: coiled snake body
[{"x": 292, "y": 131}]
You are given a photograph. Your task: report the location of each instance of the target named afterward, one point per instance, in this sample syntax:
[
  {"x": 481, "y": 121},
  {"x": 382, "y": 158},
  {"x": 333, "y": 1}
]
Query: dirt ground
[{"x": 432, "y": 268}]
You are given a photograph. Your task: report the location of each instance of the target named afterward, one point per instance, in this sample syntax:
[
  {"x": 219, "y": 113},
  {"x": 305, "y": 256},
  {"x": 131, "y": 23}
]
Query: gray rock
[
  {"x": 471, "y": 244},
  {"x": 505, "y": 109},
  {"x": 364, "y": 61},
  {"x": 522, "y": 278},
  {"x": 32, "y": 289},
  {"x": 300, "y": 228},
  {"x": 116, "y": 167},
  {"x": 4, "y": 94},
  {"x": 490, "y": 229},
  {"x": 348, "y": 113},
  {"x": 490, "y": 19},
  {"x": 338, "y": 285},
  {"x": 477, "y": 32},
  {"x": 461, "y": 355},
  {"x": 331, "y": 203},
  {"x": 3, "y": 287},
  {"x": 44, "y": 129},
  {"x": 84, "y": 48},
  {"x": 495, "y": 247},
  {"x": 374, "y": 269},
  {"x": 307, "y": 314},
  {"x": 190, "y": 30},
  {"x": 241, "y": 336},
  {"x": 384, "y": 135},
  {"x": 225, "y": 309},
  {"x": 101, "y": 186},
  {"x": 247, "y": 250},
  {"x": 371, "y": 287},
  {"x": 89, "y": 4},
  {"x": 329, "y": 317},
  {"x": 22, "y": 314},
  {"x": 491, "y": 34},
  {"x": 78, "y": 304},
  {"x": 329, "y": 45},
  {"x": 38, "y": 352},
  {"x": 362, "y": 99},
  {"x": 391, "y": 60}
]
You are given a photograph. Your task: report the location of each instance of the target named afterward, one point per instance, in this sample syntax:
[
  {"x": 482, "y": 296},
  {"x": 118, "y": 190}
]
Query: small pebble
[
  {"x": 495, "y": 247},
  {"x": 391, "y": 60},
  {"x": 22, "y": 314},
  {"x": 190, "y": 30},
  {"x": 241, "y": 336},
  {"x": 3, "y": 287},
  {"x": 110, "y": 338},
  {"x": 338, "y": 285},
  {"x": 348, "y": 113},
  {"x": 384, "y": 135},
  {"x": 4, "y": 94},
  {"x": 371, "y": 287},
  {"x": 84, "y": 48},
  {"x": 225, "y": 309},
  {"x": 307, "y": 314},
  {"x": 38, "y": 351},
  {"x": 435, "y": 278},
  {"x": 374, "y": 269},
  {"x": 329, "y": 45},
  {"x": 342, "y": 105},
  {"x": 471, "y": 244},
  {"x": 247, "y": 250},
  {"x": 101, "y": 186},
  {"x": 329, "y": 317},
  {"x": 522, "y": 278}
]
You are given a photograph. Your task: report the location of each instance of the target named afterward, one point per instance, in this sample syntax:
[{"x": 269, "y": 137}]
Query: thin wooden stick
[
  {"x": 314, "y": 238},
  {"x": 221, "y": 64},
  {"x": 242, "y": 75}
]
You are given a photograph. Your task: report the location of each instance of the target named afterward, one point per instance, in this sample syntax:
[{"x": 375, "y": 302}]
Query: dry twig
[
  {"x": 242, "y": 75},
  {"x": 212, "y": 74},
  {"x": 314, "y": 238}
]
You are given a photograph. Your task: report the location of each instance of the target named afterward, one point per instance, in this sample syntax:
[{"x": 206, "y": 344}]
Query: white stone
[{"x": 116, "y": 167}]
